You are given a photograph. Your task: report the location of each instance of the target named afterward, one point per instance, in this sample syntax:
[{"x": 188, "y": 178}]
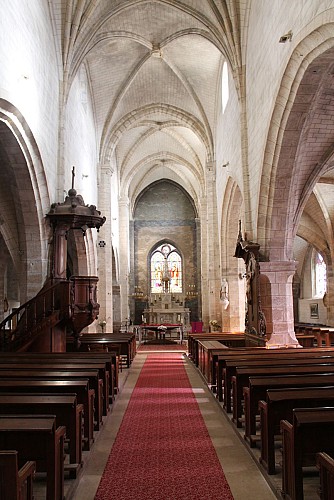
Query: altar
[
  {"x": 167, "y": 309},
  {"x": 160, "y": 331}
]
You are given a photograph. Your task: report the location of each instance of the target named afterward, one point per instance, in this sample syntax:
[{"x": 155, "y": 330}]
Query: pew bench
[
  {"x": 279, "y": 405},
  {"x": 81, "y": 388},
  {"x": 230, "y": 340},
  {"x": 208, "y": 350},
  {"x": 35, "y": 372},
  {"x": 224, "y": 375},
  {"x": 38, "y": 439},
  {"x": 126, "y": 343},
  {"x": 67, "y": 411},
  {"x": 257, "y": 390},
  {"x": 310, "y": 432},
  {"x": 270, "y": 360},
  {"x": 15, "y": 483},
  {"x": 48, "y": 363},
  {"x": 80, "y": 358},
  {"x": 325, "y": 464},
  {"x": 241, "y": 380}
]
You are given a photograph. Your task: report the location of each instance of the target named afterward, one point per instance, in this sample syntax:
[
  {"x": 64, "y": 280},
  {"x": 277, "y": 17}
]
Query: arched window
[
  {"x": 319, "y": 275},
  {"x": 166, "y": 266},
  {"x": 225, "y": 90},
  {"x": 175, "y": 271}
]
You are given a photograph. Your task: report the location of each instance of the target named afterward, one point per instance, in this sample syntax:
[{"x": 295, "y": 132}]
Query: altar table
[{"x": 160, "y": 331}]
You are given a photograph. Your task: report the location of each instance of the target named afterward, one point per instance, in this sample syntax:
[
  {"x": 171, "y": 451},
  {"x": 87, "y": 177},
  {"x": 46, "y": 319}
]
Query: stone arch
[
  {"x": 24, "y": 201},
  {"x": 110, "y": 140},
  {"x": 292, "y": 163},
  {"x": 233, "y": 318}
]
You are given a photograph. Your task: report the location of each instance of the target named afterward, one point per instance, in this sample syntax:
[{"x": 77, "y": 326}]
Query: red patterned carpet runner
[{"x": 163, "y": 450}]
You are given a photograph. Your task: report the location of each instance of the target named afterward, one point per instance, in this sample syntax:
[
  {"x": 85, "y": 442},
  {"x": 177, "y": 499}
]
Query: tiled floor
[{"x": 243, "y": 475}]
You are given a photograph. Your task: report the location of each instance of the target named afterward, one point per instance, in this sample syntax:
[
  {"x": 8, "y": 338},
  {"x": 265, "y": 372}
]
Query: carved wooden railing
[
  {"x": 48, "y": 308},
  {"x": 72, "y": 303}
]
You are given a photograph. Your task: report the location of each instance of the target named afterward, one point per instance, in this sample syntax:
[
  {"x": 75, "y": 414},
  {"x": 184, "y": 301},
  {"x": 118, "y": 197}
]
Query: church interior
[{"x": 166, "y": 188}]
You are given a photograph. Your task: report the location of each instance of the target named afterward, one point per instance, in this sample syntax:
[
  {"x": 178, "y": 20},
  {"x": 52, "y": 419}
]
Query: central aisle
[{"x": 167, "y": 438}]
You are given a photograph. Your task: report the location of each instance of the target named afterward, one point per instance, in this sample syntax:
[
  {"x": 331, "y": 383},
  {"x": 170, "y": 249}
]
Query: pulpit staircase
[{"x": 60, "y": 307}]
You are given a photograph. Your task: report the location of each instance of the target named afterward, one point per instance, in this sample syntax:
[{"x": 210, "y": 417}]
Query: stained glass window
[
  {"x": 174, "y": 267},
  {"x": 166, "y": 267}
]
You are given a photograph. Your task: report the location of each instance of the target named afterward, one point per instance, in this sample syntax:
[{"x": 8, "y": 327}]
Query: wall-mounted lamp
[
  {"x": 242, "y": 276},
  {"x": 224, "y": 165},
  {"x": 286, "y": 37},
  {"x": 224, "y": 293}
]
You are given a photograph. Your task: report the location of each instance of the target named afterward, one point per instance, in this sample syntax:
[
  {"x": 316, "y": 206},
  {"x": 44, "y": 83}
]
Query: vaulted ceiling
[{"x": 154, "y": 69}]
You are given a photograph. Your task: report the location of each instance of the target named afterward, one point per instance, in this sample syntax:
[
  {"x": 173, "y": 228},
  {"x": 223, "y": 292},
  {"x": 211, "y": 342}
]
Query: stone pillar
[
  {"x": 104, "y": 253},
  {"x": 124, "y": 256},
  {"x": 212, "y": 249},
  {"x": 277, "y": 302},
  {"x": 329, "y": 297}
]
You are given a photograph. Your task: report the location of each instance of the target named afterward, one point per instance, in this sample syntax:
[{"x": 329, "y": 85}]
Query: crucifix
[{"x": 73, "y": 175}]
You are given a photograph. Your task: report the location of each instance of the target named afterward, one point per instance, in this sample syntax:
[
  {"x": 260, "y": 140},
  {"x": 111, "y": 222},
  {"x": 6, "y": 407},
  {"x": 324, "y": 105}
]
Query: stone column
[
  {"x": 329, "y": 297},
  {"x": 104, "y": 253},
  {"x": 124, "y": 256},
  {"x": 277, "y": 302},
  {"x": 212, "y": 248}
]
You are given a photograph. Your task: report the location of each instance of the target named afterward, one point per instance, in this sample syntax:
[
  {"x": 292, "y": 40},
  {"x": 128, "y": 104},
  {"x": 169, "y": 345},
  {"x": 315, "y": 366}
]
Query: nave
[{"x": 240, "y": 469}]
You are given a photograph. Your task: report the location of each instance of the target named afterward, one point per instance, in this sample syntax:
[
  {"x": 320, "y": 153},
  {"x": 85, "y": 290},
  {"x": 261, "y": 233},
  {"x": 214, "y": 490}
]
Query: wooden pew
[
  {"x": 29, "y": 372},
  {"x": 310, "y": 432},
  {"x": 259, "y": 385},
  {"x": 279, "y": 405},
  {"x": 110, "y": 358},
  {"x": 232, "y": 365},
  {"x": 230, "y": 340},
  {"x": 324, "y": 335},
  {"x": 224, "y": 384},
  {"x": 306, "y": 340},
  {"x": 80, "y": 387},
  {"x": 126, "y": 342},
  {"x": 66, "y": 409},
  {"x": 208, "y": 350},
  {"x": 48, "y": 362},
  {"x": 227, "y": 365},
  {"x": 37, "y": 439},
  {"x": 15, "y": 483},
  {"x": 325, "y": 464},
  {"x": 241, "y": 380}
]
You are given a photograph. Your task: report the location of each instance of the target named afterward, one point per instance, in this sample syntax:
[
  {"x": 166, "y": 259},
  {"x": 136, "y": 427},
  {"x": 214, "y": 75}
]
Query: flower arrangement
[
  {"x": 214, "y": 323},
  {"x": 102, "y": 324}
]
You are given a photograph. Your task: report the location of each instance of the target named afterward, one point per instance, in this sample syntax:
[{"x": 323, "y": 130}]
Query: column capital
[
  {"x": 106, "y": 169},
  {"x": 281, "y": 266}
]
